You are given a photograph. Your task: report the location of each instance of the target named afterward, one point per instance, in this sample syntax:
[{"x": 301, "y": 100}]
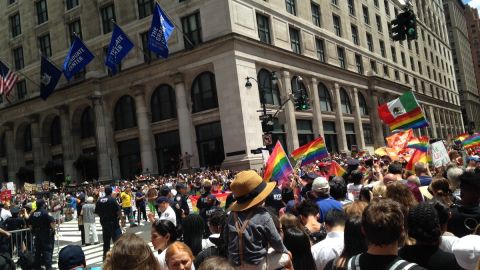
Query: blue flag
[
  {"x": 119, "y": 47},
  {"x": 49, "y": 77},
  {"x": 160, "y": 31},
  {"x": 77, "y": 58}
]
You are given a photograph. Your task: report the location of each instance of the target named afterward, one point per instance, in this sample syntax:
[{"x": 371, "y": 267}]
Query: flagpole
[
  {"x": 176, "y": 26},
  {"x": 19, "y": 72}
]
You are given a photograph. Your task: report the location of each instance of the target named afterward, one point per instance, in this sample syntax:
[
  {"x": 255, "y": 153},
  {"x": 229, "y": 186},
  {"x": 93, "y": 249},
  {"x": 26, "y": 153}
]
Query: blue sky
[{"x": 473, "y": 3}]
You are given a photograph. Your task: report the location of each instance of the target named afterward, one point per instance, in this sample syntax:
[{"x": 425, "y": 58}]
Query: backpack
[{"x": 400, "y": 264}]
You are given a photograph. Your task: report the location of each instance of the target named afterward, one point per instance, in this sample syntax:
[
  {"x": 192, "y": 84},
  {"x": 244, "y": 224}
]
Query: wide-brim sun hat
[{"x": 249, "y": 189}]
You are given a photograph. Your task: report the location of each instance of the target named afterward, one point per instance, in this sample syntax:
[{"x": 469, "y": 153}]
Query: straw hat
[{"x": 249, "y": 189}]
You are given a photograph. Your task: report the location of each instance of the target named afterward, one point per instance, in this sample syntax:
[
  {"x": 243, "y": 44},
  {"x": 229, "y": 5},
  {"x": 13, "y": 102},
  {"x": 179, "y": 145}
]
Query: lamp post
[{"x": 267, "y": 123}]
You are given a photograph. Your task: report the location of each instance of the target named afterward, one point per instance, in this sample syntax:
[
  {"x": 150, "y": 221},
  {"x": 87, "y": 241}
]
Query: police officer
[
  {"x": 109, "y": 211},
  {"x": 43, "y": 226},
  {"x": 182, "y": 199}
]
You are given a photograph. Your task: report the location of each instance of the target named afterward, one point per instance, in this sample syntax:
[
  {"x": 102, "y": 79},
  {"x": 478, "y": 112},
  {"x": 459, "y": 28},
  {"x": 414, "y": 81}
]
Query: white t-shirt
[
  {"x": 169, "y": 214},
  {"x": 4, "y": 214},
  {"x": 447, "y": 242},
  {"x": 329, "y": 248},
  {"x": 354, "y": 191}
]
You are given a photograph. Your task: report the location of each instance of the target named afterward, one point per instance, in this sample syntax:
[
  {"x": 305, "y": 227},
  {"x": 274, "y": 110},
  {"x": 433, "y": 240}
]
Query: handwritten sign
[{"x": 439, "y": 154}]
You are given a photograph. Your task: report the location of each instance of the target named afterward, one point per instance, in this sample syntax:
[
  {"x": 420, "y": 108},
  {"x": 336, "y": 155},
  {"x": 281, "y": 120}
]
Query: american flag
[{"x": 7, "y": 79}]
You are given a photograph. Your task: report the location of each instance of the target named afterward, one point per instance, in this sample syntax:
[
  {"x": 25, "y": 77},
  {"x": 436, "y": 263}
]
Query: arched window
[
  {"x": 267, "y": 88},
  {"x": 163, "y": 104},
  {"x": 55, "y": 132},
  {"x": 204, "y": 92},
  {"x": 27, "y": 139},
  {"x": 325, "y": 98},
  {"x": 362, "y": 105},
  {"x": 125, "y": 115},
  {"x": 346, "y": 107},
  {"x": 86, "y": 123}
]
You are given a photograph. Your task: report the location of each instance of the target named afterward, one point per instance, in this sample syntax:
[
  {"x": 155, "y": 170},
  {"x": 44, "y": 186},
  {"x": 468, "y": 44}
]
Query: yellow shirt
[{"x": 126, "y": 200}]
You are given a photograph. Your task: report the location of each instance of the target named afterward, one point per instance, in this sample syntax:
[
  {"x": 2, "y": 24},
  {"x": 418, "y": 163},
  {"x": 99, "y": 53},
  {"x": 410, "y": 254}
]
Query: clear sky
[{"x": 473, "y": 3}]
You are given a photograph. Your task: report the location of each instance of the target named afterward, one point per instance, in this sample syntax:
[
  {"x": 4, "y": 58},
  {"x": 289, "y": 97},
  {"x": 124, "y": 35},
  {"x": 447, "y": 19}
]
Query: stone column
[
  {"x": 358, "y": 121},
  {"x": 340, "y": 125},
  {"x": 67, "y": 143},
  {"x": 11, "y": 152},
  {"x": 433, "y": 122},
  {"x": 289, "y": 111},
  {"x": 184, "y": 116},
  {"x": 440, "y": 123},
  {"x": 36, "y": 149},
  {"x": 376, "y": 123},
  {"x": 317, "y": 112},
  {"x": 144, "y": 131},
  {"x": 101, "y": 136}
]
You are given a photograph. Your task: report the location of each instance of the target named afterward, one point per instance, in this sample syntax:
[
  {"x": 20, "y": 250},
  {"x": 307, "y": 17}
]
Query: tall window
[
  {"x": 341, "y": 57},
  {"x": 295, "y": 40},
  {"x": 350, "y": 135},
  {"x": 305, "y": 131},
  {"x": 18, "y": 57},
  {"x": 351, "y": 7},
  {"x": 359, "y": 63},
  {"x": 386, "y": 73},
  {"x": 366, "y": 16},
  {"x": 316, "y": 15},
  {"x": 129, "y": 158},
  {"x": 362, "y": 104},
  {"x": 21, "y": 89},
  {"x": 87, "y": 125},
  {"x": 394, "y": 54},
  {"x": 263, "y": 25},
  {"x": 145, "y": 8},
  {"x": 402, "y": 56},
  {"x": 3, "y": 149},
  {"x": 163, "y": 104},
  {"x": 345, "y": 102},
  {"x": 108, "y": 14},
  {"x": 125, "y": 114},
  {"x": 204, "y": 92},
  {"x": 330, "y": 135},
  {"x": 71, "y": 4},
  {"x": 382, "y": 48},
  {"x": 42, "y": 12},
  {"x": 291, "y": 8},
  {"x": 367, "y": 134},
  {"x": 379, "y": 23},
  {"x": 355, "y": 35},
  {"x": 373, "y": 65},
  {"x": 55, "y": 132},
  {"x": 45, "y": 46},
  {"x": 387, "y": 7},
  {"x": 320, "y": 49},
  {"x": 412, "y": 64},
  {"x": 15, "y": 26},
  {"x": 210, "y": 144},
  {"x": 337, "y": 25},
  {"x": 27, "y": 139},
  {"x": 267, "y": 89},
  {"x": 369, "y": 42},
  {"x": 167, "y": 146},
  {"x": 74, "y": 27},
  {"x": 325, "y": 98},
  {"x": 193, "y": 30},
  {"x": 335, "y": 2}
]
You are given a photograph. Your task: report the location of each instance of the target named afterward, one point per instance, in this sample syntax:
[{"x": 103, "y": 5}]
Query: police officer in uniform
[
  {"x": 109, "y": 211},
  {"x": 182, "y": 199},
  {"x": 43, "y": 230}
]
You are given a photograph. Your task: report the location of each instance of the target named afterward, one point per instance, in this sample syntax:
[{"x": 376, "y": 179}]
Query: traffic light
[
  {"x": 301, "y": 103},
  {"x": 411, "y": 25},
  {"x": 398, "y": 28}
]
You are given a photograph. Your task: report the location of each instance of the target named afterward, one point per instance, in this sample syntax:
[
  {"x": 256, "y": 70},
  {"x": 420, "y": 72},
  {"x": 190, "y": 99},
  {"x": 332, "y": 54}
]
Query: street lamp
[{"x": 267, "y": 123}]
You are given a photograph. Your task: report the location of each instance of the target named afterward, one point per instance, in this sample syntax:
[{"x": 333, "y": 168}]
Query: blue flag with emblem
[
  {"x": 77, "y": 58},
  {"x": 119, "y": 47},
  {"x": 159, "y": 32},
  {"x": 49, "y": 77}
]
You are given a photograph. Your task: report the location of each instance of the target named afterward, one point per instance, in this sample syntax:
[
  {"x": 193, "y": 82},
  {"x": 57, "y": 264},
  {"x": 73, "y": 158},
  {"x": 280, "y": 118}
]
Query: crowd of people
[{"x": 377, "y": 215}]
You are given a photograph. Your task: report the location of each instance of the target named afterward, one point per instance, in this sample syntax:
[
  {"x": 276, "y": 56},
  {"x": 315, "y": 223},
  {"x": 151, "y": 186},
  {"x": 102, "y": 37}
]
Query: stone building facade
[
  {"x": 471, "y": 105},
  {"x": 455, "y": 15},
  {"x": 150, "y": 114}
]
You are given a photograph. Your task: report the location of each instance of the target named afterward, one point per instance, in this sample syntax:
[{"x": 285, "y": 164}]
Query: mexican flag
[{"x": 402, "y": 113}]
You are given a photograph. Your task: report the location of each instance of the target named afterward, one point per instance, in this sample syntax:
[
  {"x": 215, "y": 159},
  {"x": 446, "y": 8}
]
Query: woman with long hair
[
  {"x": 193, "y": 227},
  {"x": 298, "y": 243},
  {"x": 130, "y": 252},
  {"x": 163, "y": 234}
]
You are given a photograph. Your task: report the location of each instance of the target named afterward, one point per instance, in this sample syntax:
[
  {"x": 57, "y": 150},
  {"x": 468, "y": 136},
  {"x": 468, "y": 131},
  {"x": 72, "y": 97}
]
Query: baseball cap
[
  {"x": 320, "y": 184},
  {"x": 162, "y": 199},
  {"x": 70, "y": 257},
  {"x": 467, "y": 251}
]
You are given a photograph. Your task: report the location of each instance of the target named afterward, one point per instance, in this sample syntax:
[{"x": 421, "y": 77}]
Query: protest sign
[{"x": 439, "y": 154}]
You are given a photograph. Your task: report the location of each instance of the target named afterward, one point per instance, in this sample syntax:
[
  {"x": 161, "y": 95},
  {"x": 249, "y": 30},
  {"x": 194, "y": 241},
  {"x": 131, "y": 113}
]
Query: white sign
[
  {"x": 439, "y": 154},
  {"x": 265, "y": 155},
  {"x": 11, "y": 187}
]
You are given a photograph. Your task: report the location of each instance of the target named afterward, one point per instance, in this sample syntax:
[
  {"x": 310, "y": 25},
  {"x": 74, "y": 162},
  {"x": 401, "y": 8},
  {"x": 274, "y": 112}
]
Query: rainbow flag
[
  {"x": 336, "y": 169},
  {"x": 418, "y": 156},
  {"x": 300, "y": 152},
  {"x": 472, "y": 141},
  {"x": 461, "y": 137},
  {"x": 402, "y": 113},
  {"x": 421, "y": 143},
  {"x": 316, "y": 151},
  {"x": 278, "y": 166}
]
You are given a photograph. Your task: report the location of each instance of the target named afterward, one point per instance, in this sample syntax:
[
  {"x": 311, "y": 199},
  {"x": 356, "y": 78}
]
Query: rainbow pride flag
[
  {"x": 278, "y": 166},
  {"x": 316, "y": 150},
  {"x": 472, "y": 141},
  {"x": 421, "y": 143},
  {"x": 336, "y": 169},
  {"x": 418, "y": 156},
  {"x": 461, "y": 137}
]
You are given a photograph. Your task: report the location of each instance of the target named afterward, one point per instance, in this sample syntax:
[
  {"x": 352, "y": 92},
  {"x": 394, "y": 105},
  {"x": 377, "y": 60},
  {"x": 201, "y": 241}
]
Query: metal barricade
[{"x": 20, "y": 241}]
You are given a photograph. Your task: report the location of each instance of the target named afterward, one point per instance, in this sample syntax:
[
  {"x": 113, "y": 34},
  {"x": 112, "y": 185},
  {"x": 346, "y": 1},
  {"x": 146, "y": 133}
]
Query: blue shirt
[
  {"x": 327, "y": 204},
  {"x": 425, "y": 180}
]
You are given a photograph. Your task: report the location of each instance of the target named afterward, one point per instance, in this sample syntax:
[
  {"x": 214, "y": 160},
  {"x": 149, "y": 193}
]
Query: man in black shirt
[
  {"x": 466, "y": 214},
  {"x": 383, "y": 226},
  {"x": 42, "y": 225},
  {"x": 274, "y": 200},
  {"x": 109, "y": 211}
]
